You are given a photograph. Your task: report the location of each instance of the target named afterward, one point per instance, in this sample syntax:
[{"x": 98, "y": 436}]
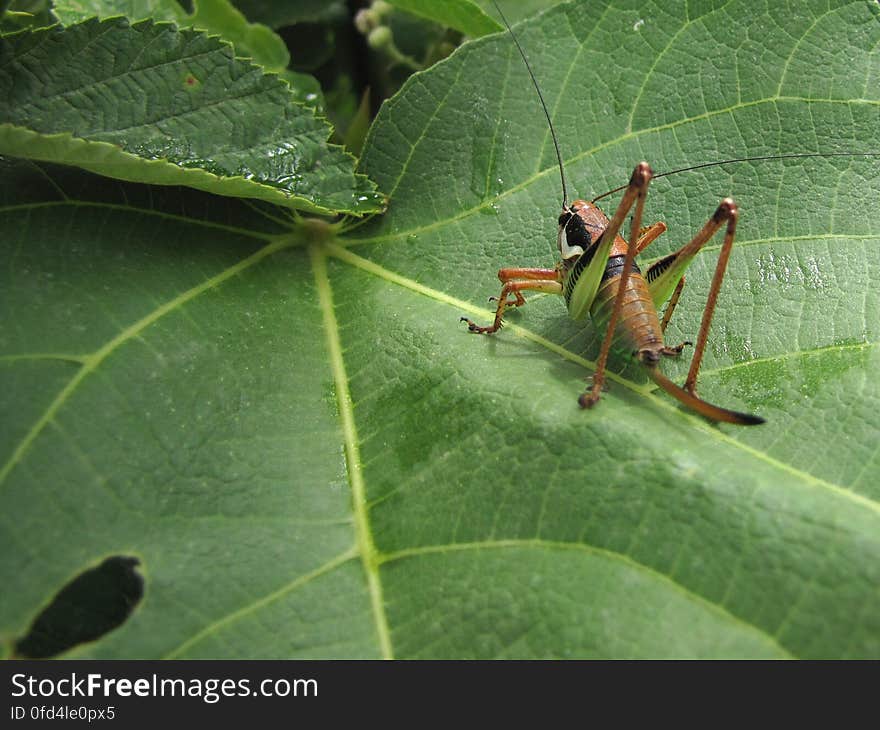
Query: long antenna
[
  {"x": 543, "y": 105},
  {"x": 748, "y": 159}
]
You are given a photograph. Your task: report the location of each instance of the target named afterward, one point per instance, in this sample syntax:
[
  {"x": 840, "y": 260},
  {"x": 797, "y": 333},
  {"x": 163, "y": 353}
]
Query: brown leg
[
  {"x": 553, "y": 286},
  {"x": 727, "y": 211},
  {"x": 517, "y": 274},
  {"x": 670, "y": 308},
  {"x": 649, "y": 234},
  {"x": 674, "y": 351},
  {"x": 635, "y": 194}
]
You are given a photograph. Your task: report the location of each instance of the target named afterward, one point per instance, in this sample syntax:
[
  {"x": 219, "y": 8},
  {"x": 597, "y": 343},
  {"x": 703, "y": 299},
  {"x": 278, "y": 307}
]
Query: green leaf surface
[
  {"x": 462, "y": 15},
  {"x": 515, "y": 10},
  {"x": 252, "y": 40},
  {"x": 306, "y": 90},
  {"x": 75, "y": 11},
  {"x": 149, "y": 103},
  {"x": 310, "y": 456}
]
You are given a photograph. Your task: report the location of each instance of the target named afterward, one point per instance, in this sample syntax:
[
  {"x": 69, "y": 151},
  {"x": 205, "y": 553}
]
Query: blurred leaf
[
  {"x": 314, "y": 44},
  {"x": 414, "y": 36},
  {"x": 357, "y": 130},
  {"x": 462, "y": 15},
  {"x": 251, "y": 40},
  {"x": 342, "y": 102},
  {"x": 516, "y": 10},
  {"x": 276, "y": 14},
  {"x": 305, "y": 89},
  {"x": 20, "y": 14}
]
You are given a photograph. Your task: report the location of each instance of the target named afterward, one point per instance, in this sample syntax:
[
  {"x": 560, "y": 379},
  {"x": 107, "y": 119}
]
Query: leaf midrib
[
  {"x": 365, "y": 548},
  {"x": 347, "y": 256},
  {"x": 364, "y": 536}
]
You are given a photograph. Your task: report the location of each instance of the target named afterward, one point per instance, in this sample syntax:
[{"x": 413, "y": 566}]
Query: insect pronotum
[{"x": 598, "y": 275}]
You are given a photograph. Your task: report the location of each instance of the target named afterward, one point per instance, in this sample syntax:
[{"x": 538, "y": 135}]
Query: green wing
[{"x": 581, "y": 282}]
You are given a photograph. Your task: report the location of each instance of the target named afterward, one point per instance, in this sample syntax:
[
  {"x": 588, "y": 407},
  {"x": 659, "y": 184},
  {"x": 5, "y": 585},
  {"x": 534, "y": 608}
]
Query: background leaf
[
  {"x": 515, "y": 11},
  {"x": 75, "y": 11},
  {"x": 310, "y": 456},
  {"x": 250, "y": 39},
  {"x": 220, "y": 17},
  {"x": 462, "y": 15},
  {"x": 276, "y": 14},
  {"x": 150, "y": 103},
  {"x": 20, "y": 14}
]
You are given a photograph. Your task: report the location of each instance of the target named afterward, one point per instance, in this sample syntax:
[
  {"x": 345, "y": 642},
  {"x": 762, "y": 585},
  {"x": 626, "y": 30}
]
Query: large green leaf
[
  {"x": 312, "y": 457},
  {"x": 149, "y": 103}
]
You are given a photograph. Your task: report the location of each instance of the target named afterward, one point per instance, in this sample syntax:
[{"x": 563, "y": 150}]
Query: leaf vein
[
  {"x": 365, "y": 545},
  {"x": 483, "y": 205},
  {"x": 808, "y": 479},
  {"x": 98, "y": 357},
  {"x": 266, "y": 600},
  {"x": 628, "y": 561}
]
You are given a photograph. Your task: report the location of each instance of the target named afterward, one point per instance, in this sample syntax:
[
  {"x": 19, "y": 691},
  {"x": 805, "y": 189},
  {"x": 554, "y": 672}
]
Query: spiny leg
[
  {"x": 635, "y": 194},
  {"x": 515, "y": 287},
  {"x": 727, "y": 211},
  {"x": 668, "y": 351},
  {"x": 523, "y": 274},
  {"x": 670, "y": 308}
]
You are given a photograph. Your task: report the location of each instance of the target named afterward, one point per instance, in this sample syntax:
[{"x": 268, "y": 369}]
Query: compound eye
[
  {"x": 576, "y": 233},
  {"x": 563, "y": 218}
]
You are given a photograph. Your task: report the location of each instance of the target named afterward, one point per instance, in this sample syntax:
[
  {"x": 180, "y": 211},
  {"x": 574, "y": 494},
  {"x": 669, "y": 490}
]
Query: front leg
[
  {"x": 634, "y": 196},
  {"x": 515, "y": 282}
]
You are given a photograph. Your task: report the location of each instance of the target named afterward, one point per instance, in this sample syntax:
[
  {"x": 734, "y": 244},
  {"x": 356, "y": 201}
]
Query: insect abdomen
[{"x": 639, "y": 325}]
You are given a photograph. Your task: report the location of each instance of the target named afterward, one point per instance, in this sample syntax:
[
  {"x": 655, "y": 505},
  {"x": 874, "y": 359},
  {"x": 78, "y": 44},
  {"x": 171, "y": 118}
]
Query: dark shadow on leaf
[{"x": 94, "y": 603}]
